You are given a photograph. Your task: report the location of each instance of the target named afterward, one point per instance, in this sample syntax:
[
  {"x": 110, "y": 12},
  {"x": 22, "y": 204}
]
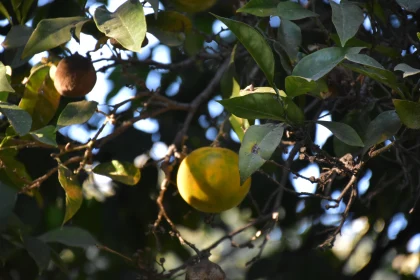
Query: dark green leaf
[
  {"x": 17, "y": 36},
  {"x": 123, "y": 172},
  {"x": 409, "y": 112},
  {"x": 13, "y": 168},
  {"x": 8, "y": 197},
  {"x": 289, "y": 37},
  {"x": 384, "y": 126},
  {"x": 70, "y": 236},
  {"x": 5, "y": 13},
  {"x": 383, "y": 76},
  {"x": 21, "y": 9},
  {"x": 319, "y": 63},
  {"x": 347, "y": 18},
  {"x": 296, "y": 86},
  {"x": 284, "y": 58},
  {"x": 18, "y": 118},
  {"x": 410, "y": 5},
  {"x": 74, "y": 194},
  {"x": 259, "y": 143},
  {"x": 293, "y": 11},
  {"x": 170, "y": 27},
  {"x": 343, "y": 132},
  {"x": 260, "y": 8},
  {"x": 407, "y": 69},
  {"x": 38, "y": 250},
  {"x": 77, "y": 112},
  {"x": 51, "y": 33},
  {"x": 255, "y": 106},
  {"x": 127, "y": 24},
  {"x": 155, "y": 6},
  {"x": 4, "y": 82},
  {"x": 46, "y": 135},
  {"x": 40, "y": 98},
  {"x": 364, "y": 60},
  {"x": 255, "y": 43}
]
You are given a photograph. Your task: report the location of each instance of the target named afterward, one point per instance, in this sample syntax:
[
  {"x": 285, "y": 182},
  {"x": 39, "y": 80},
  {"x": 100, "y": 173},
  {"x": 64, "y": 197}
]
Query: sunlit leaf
[
  {"x": 74, "y": 194},
  {"x": 18, "y": 118},
  {"x": 127, "y": 24},
  {"x": 407, "y": 69},
  {"x": 70, "y": 236},
  {"x": 409, "y": 112},
  {"x": 347, "y": 18},
  {"x": 260, "y": 8},
  {"x": 343, "y": 132},
  {"x": 38, "y": 250},
  {"x": 123, "y": 172},
  {"x": 384, "y": 126},
  {"x": 77, "y": 113},
  {"x": 40, "y": 98},
  {"x": 239, "y": 125},
  {"x": 170, "y": 27},
  {"x": 4, "y": 82},
  {"x": 50, "y": 33},
  {"x": 255, "y": 43},
  {"x": 46, "y": 135},
  {"x": 293, "y": 11},
  {"x": 259, "y": 143},
  {"x": 319, "y": 63}
]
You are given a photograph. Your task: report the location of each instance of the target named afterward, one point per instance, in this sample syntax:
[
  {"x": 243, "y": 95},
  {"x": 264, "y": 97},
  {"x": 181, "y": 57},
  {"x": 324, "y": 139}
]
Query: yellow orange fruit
[
  {"x": 74, "y": 76},
  {"x": 208, "y": 180}
]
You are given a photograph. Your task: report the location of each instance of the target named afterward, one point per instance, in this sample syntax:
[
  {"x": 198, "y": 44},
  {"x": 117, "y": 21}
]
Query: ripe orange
[{"x": 208, "y": 180}]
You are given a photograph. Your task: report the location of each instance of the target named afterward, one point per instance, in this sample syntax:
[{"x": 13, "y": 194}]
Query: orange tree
[{"x": 286, "y": 64}]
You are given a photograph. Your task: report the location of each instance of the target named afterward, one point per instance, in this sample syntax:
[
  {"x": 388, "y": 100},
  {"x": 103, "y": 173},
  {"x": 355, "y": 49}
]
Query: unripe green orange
[{"x": 208, "y": 180}]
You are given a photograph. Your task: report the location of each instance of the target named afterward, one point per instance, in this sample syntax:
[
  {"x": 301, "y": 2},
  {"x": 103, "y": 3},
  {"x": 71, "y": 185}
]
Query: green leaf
[
  {"x": 260, "y": 8},
  {"x": 170, "y": 27},
  {"x": 14, "y": 169},
  {"x": 347, "y": 18},
  {"x": 4, "y": 82},
  {"x": 5, "y": 13},
  {"x": 77, "y": 112},
  {"x": 127, "y": 24},
  {"x": 383, "y": 76},
  {"x": 319, "y": 63},
  {"x": 293, "y": 11},
  {"x": 21, "y": 9},
  {"x": 343, "y": 132},
  {"x": 410, "y": 5},
  {"x": 255, "y": 43},
  {"x": 409, "y": 112},
  {"x": 384, "y": 126},
  {"x": 228, "y": 83},
  {"x": 18, "y": 118},
  {"x": 239, "y": 125},
  {"x": 284, "y": 58},
  {"x": 40, "y": 98},
  {"x": 296, "y": 86},
  {"x": 38, "y": 250},
  {"x": 407, "y": 69},
  {"x": 155, "y": 6},
  {"x": 289, "y": 37},
  {"x": 259, "y": 143},
  {"x": 364, "y": 60},
  {"x": 8, "y": 197},
  {"x": 15, "y": 42},
  {"x": 70, "y": 236},
  {"x": 123, "y": 172},
  {"x": 46, "y": 135},
  {"x": 74, "y": 194},
  {"x": 255, "y": 106},
  {"x": 51, "y": 33}
]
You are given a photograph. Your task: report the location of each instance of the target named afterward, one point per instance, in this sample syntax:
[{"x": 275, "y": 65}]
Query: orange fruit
[{"x": 208, "y": 180}]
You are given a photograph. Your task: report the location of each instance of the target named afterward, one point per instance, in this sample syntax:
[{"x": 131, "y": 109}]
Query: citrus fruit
[
  {"x": 74, "y": 76},
  {"x": 208, "y": 180},
  {"x": 194, "y": 6}
]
